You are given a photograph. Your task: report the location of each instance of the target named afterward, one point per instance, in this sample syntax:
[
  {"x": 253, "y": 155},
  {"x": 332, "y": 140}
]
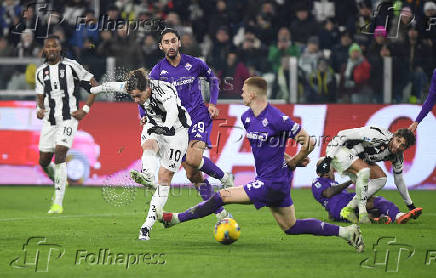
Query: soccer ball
[{"x": 226, "y": 231}]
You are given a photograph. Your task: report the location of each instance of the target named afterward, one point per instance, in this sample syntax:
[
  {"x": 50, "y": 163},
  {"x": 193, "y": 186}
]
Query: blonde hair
[{"x": 259, "y": 85}]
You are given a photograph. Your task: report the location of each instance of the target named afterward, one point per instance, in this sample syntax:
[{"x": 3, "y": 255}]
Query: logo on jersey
[
  {"x": 265, "y": 122},
  {"x": 173, "y": 165},
  {"x": 163, "y": 72},
  {"x": 285, "y": 118},
  {"x": 247, "y": 120},
  {"x": 188, "y": 66},
  {"x": 62, "y": 73},
  {"x": 197, "y": 135}
]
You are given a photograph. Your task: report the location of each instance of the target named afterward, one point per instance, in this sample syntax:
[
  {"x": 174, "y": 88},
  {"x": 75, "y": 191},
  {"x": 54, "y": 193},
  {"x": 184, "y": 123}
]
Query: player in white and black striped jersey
[
  {"x": 57, "y": 89},
  {"x": 164, "y": 136}
]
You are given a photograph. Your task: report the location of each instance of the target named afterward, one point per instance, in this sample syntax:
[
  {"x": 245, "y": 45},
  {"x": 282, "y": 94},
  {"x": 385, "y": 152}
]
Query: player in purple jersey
[
  {"x": 428, "y": 104},
  {"x": 268, "y": 131},
  {"x": 183, "y": 71},
  {"x": 334, "y": 197}
]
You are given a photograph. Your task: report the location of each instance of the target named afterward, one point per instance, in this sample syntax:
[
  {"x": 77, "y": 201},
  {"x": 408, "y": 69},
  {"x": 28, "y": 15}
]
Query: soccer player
[
  {"x": 164, "y": 136},
  {"x": 57, "y": 84},
  {"x": 334, "y": 197},
  {"x": 268, "y": 131},
  {"x": 428, "y": 104},
  {"x": 184, "y": 72},
  {"x": 354, "y": 152}
]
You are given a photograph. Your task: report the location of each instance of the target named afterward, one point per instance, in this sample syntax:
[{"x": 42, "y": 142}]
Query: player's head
[
  {"x": 170, "y": 43},
  {"x": 402, "y": 140},
  {"x": 254, "y": 88},
  {"x": 137, "y": 85},
  {"x": 329, "y": 175},
  {"x": 52, "y": 49}
]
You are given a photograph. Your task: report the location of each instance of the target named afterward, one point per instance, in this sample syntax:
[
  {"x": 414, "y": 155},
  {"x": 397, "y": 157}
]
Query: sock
[
  {"x": 60, "y": 182},
  {"x": 313, "y": 226},
  {"x": 375, "y": 185},
  {"x": 362, "y": 188},
  {"x": 206, "y": 191},
  {"x": 202, "y": 209},
  {"x": 386, "y": 207},
  {"x": 159, "y": 199},
  {"x": 149, "y": 161},
  {"x": 208, "y": 167}
]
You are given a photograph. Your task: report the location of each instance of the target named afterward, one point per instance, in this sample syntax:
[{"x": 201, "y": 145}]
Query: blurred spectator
[
  {"x": 107, "y": 42},
  {"x": 150, "y": 52},
  {"x": 232, "y": 76},
  {"x": 219, "y": 18},
  {"x": 303, "y": 26},
  {"x": 6, "y": 50},
  {"x": 66, "y": 49},
  {"x": 328, "y": 35},
  {"x": 126, "y": 51},
  {"x": 264, "y": 23},
  {"x": 363, "y": 19},
  {"x": 127, "y": 9},
  {"x": 218, "y": 54},
  {"x": 85, "y": 31},
  {"x": 400, "y": 25},
  {"x": 189, "y": 46},
  {"x": 322, "y": 83},
  {"x": 356, "y": 76},
  {"x": 375, "y": 59},
  {"x": 196, "y": 16},
  {"x": 252, "y": 53},
  {"x": 309, "y": 59},
  {"x": 280, "y": 88},
  {"x": 27, "y": 47},
  {"x": 340, "y": 52},
  {"x": 10, "y": 10},
  {"x": 345, "y": 13},
  {"x": 283, "y": 47},
  {"x": 73, "y": 10},
  {"x": 323, "y": 10},
  {"x": 6, "y": 71}
]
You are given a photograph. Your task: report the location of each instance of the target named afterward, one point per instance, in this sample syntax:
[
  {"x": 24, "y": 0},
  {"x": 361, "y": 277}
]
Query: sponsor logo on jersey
[
  {"x": 198, "y": 135},
  {"x": 188, "y": 66},
  {"x": 183, "y": 82},
  {"x": 257, "y": 136},
  {"x": 265, "y": 122}
]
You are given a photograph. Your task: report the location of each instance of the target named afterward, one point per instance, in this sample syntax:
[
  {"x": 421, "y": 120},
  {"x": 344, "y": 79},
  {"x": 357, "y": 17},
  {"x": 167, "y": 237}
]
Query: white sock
[
  {"x": 362, "y": 188},
  {"x": 60, "y": 182},
  {"x": 399, "y": 215},
  {"x": 158, "y": 200},
  {"x": 342, "y": 232},
  {"x": 149, "y": 161},
  {"x": 375, "y": 185}
]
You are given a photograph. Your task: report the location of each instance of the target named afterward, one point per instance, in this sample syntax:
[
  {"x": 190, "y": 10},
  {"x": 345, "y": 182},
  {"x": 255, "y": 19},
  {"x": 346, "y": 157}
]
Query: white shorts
[
  {"x": 60, "y": 134},
  {"x": 343, "y": 159},
  {"x": 171, "y": 148}
]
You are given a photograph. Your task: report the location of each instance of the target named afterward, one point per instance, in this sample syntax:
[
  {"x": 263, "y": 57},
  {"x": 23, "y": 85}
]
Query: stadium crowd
[{"x": 339, "y": 59}]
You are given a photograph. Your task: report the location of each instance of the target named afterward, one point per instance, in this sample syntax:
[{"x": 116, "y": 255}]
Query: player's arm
[
  {"x": 86, "y": 81},
  {"x": 307, "y": 146},
  {"x": 336, "y": 189},
  {"x": 355, "y": 134},
  {"x": 169, "y": 102},
  {"x": 397, "y": 166},
  {"x": 39, "y": 89},
  {"x": 428, "y": 104},
  {"x": 213, "y": 89}
]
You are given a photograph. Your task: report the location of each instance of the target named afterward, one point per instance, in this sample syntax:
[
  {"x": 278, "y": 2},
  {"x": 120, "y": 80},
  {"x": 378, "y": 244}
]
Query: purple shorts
[
  {"x": 337, "y": 204},
  {"x": 200, "y": 129},
  {"x": 269, "y": 193}
]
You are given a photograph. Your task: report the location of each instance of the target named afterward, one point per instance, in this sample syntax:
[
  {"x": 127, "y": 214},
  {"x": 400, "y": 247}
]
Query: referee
[{"x": 57, "y": 91}]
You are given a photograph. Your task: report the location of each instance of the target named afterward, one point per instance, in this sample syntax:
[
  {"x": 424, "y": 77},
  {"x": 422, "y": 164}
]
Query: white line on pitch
[{"x": 66, "y": 216}]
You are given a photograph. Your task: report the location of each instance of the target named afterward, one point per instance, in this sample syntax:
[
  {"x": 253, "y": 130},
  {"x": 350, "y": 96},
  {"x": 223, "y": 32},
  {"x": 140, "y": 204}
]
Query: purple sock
[
  {"x": 206, "y": 191},
  {"x": 202, "y": 209},
  {"x": 313, "y": 226},
  {"x": 386, "y": 207},
  {"x": 211, "y": 169}
]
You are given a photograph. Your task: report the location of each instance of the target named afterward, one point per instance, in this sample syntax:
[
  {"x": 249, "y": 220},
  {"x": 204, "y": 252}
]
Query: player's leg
[
  {"x": 232, "y": 195},
  {"x": 389, "y": 209},
  {"x": 47, "y": 142},
  {"x": 45, "y": 163},
  {"x": 285, "y": 217}
]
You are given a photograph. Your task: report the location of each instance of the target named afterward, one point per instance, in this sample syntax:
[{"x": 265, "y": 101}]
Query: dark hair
[
  {"x": 53, "y": 37},
  {"x": 136, "y": 80},
  {"x": 407, "y": 135},
  {"x": 169, "y": 30}
]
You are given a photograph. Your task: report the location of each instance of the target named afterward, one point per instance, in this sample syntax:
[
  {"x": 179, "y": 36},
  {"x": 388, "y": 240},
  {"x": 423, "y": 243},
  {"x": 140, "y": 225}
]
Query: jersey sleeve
[
  {"x": 353, "y": 134},
  {"x": 166, "y": 93},
  {"x": 286, "y": 124},
  {"x": 39, "y": 87},
  {"x": 81, "y": 72},
  {"x": 206, "y": 71},
  {"x": 318, "y": 188},
  {"x": 429, "y": 101},
  {"x": 397, "y": 163},
  {"x": 154, "y": 74},
  {"x": 141, "y": 111}
]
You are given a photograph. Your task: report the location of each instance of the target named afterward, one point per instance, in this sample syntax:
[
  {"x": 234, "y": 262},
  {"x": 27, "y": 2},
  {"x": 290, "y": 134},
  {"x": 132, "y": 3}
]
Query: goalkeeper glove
[{"x": 162, "y": 130}]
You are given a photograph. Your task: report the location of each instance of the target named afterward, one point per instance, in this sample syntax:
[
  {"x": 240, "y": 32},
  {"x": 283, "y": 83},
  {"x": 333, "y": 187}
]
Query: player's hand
[
  {"x": 143, "y": 120},
  {"x": 162, "y": 130},
  {"x": 40, "y": 114},
  {"x": 413, "y": 126},
  {"x": 79, "y": 114},
  {"x": 213, "y": 111}
]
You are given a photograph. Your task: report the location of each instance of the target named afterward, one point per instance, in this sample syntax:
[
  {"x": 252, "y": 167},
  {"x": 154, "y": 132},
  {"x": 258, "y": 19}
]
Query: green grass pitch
[{"x": 189, "y": 250}]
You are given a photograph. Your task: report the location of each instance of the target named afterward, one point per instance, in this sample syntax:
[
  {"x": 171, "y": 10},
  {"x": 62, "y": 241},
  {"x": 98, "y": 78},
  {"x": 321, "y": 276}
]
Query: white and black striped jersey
[
  {"x": 371, "y": 144},
  {"x": 60, "y": 86},
  {"x": 164, "y": 108}
]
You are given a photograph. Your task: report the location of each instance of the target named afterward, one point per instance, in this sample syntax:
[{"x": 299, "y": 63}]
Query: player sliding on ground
[
  {"x": 164, "y": 136},
  {"x": 268, "y": 131},
  {"x": 334, "y": 197},
  {"x": 354, "y": 152},
  {"x": 57, "y": 82},
  {"x": 184, "y": 72}
]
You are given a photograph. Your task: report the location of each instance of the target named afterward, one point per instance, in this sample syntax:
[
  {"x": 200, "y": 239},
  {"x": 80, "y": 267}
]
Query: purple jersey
[
  {"x": 430, "y": 101},
  {"x": 332, "y": 205},
  {"x": 268, "y": 134},
  {"x": 185, "y": 77}
]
